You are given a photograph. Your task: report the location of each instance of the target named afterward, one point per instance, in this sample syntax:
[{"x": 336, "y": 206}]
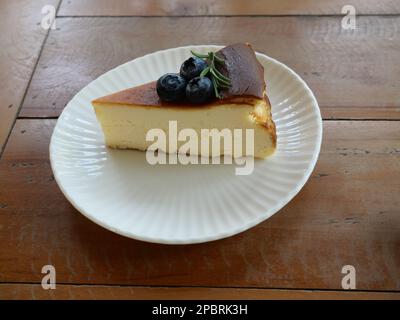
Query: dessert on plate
[{"x": 218, "y": 90}]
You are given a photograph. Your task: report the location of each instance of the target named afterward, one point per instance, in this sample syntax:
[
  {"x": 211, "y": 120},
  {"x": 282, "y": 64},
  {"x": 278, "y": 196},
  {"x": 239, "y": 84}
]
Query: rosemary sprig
[{"x": 218, "y": 79}]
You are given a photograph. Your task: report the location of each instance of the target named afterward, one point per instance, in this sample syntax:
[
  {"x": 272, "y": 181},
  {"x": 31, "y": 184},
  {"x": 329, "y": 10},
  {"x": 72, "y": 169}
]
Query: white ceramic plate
[{"x": 179, "y": 204}]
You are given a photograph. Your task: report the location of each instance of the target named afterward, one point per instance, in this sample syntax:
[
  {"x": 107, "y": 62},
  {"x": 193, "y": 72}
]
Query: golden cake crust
[
  {"x": 146, "y": 95},
  {"x": 241, "y": 66}
]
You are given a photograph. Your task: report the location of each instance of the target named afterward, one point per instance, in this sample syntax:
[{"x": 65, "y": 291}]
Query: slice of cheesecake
[{"x": 128, "y": 115}]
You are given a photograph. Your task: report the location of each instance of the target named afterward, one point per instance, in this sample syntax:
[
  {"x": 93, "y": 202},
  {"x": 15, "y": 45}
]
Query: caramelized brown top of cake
[
  {"x": 243, "y": 69},
  {"x": 241, "y": 66}
]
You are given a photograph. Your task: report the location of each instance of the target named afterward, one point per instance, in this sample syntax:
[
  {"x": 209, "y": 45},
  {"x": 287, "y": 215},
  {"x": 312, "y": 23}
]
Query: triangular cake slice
[{"x": 127, "y": 116}]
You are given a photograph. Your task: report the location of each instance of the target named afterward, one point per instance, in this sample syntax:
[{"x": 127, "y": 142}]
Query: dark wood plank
[
  {"x": 21, "y": 38},
  {"x": 222, "y": 7},
  {"x": 95, "y": 292},
  {"x": 348, "y": 213},
  {"x": 354, "y": 74}
]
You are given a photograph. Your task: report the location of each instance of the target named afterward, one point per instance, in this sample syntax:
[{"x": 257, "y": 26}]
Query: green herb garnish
[{"x": 218, "y": 79}]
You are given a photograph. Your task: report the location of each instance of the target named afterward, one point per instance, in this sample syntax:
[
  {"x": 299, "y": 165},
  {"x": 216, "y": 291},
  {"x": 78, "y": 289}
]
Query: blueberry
[
  {"x": 192, "y": 67},
  {"x": 199, "y": 90},
  {"x": 171, "y": 87}
]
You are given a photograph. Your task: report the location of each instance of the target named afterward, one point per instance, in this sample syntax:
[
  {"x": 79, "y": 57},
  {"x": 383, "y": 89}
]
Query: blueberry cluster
[{"x": 188, "y": 83}]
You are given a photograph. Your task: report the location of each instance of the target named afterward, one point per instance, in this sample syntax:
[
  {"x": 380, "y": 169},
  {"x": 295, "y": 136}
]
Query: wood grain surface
[
  {"x": 347, "y": 214},
  {"x": 354, "y": 74},
  {"x": 21, "y": 39},
  {"x": 222, "y": 7},
  {"x": 96, "y": 292}
]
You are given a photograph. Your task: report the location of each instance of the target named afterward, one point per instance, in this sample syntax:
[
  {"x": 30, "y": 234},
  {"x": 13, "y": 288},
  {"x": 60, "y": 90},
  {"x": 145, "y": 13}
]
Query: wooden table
[{"x": 347, "y": 214}]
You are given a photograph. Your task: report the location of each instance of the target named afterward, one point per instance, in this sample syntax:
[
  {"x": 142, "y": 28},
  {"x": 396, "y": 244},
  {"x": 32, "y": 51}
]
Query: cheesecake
[{"x": 127, "y": 116}]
